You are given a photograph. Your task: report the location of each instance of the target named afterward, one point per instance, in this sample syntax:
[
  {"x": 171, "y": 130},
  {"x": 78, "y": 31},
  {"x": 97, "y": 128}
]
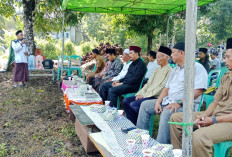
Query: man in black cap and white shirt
[{"x": 171, "y": 98}]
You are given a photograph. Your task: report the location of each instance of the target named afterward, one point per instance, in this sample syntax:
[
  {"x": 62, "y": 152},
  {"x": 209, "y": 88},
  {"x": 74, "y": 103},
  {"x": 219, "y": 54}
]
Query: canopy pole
[
  {"x": 190, "y": 46},
  {"x": 62, "y": 64},
  {"x": 168, "y": 29}
]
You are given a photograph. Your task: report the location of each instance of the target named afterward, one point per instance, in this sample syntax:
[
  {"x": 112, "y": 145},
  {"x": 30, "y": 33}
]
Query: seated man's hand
[
  {"x": 109, "y": 80},
  {"x": 207, "y": 121},
  {"x": 158, "y": 108},
  {"x": 173, "y": 106},
  {"x": 103, "y": 77},
  {"x": 199, "y": 118},
  {"x": 117, "y": 84},
  {"x": 138, "y": 97}
]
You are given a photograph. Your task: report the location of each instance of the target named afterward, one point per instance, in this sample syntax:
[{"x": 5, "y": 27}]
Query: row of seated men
[{"x": 163, "y": 95}]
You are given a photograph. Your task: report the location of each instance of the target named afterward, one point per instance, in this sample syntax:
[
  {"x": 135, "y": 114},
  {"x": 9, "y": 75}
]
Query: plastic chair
[
  {"x": 65, "y": 68},
  {"x": 223, "y": 71},
  {"x": 223, "y": 64},
  {"x": 173, "y": 65},
  {"x": 95, "y": 67},
  {"x": 77, "y": 60},
  {"x": 151, "y": 125},
  {"x": 209, "y": 98},
  {"x": 222, "y": 149}
]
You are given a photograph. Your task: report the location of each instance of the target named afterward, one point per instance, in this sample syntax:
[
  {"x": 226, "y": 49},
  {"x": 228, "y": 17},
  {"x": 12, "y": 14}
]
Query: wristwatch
[
  {"x": 214, "y": 120},
  {"x": 179, "y": 102}
]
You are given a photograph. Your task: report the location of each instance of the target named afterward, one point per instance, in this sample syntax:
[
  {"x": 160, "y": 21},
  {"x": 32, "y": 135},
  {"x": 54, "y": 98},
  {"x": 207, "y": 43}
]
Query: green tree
[
  {"x": 145, "y": 25},
  {"x": 100, "y": 27},
  {"x": 41, "y": 16},
  {"x": 220, "y": 19}
]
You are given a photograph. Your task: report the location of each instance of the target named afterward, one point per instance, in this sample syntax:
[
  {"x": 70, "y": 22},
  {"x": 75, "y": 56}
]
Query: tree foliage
[
  {"x": 7, "y": 8},
  {"x": 102, "y": 28},
  {"x": 48, "y": 14},
  {"x": 145, "y": 25},
  {"x": 220, "y": 19}
]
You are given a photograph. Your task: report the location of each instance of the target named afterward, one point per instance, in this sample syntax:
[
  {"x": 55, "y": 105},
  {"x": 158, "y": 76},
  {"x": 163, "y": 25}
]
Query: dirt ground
[{"x": 33, "y": 120}]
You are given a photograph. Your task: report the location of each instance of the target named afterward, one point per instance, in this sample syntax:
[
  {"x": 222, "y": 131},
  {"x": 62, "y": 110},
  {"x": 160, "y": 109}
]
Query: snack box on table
[
  {"x": 110, "y": 115},
  {"x": 136, "y": 134}
]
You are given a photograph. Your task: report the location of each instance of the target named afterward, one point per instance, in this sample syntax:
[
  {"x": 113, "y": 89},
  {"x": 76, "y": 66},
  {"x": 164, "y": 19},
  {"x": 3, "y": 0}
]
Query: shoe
[{"x": 16, "y": 85}]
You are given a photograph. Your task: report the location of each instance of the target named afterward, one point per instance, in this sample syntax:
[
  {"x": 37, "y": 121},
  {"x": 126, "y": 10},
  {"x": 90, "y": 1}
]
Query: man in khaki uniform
[
  {"x": 100, "y": 65},
  {"x": 215, "y": 124},
  {"x": 153, "y": 88}
]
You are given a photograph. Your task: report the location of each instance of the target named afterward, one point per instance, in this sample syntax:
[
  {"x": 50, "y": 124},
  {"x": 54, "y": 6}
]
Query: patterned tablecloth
[
  {"x": 115, "y": 138},
  {"x": 72, "y": 96}
]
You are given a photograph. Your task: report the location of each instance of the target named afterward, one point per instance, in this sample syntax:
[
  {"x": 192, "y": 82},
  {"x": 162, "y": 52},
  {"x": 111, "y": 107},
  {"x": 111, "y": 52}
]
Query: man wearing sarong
[{"x": 21, "y": 74}]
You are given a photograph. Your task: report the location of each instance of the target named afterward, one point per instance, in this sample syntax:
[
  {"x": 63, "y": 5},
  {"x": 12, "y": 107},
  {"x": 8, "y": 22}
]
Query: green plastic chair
[
  {"x": 223, "y": 71},
  {"x": 95, "y": 67},
  {"x": 73, "y": 68},
  {"x": 173, "y": 65},
  {"x": 223, "y": 64},
  {"x": 222, "y": 149},
  {"x": 151, "y": 125},
  {"x": 65, "y": 68},
  {"x": 209, "y": 98}
]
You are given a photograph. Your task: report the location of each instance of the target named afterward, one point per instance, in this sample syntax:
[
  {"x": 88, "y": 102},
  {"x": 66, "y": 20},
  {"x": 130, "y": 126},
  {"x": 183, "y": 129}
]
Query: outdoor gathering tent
[
  {"x": 157, "y": 7},
  {"x": 138, "y": 7}
]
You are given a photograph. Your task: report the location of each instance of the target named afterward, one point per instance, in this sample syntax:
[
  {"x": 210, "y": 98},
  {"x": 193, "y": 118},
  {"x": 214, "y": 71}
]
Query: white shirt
[
  {"x": 176, "y": 84},
  {"x": 19, "y": 50},
  {"x": 123, "y": 72},
  {"x": 151, "y": 68}
]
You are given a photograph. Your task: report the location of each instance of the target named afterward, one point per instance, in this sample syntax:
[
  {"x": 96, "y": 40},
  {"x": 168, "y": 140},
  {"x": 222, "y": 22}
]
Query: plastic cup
[
  {"x": 69, "y": 78},
  {"x": 177, "y": 152},
  {"x": 107, "y": 104},
  {"x": 130, "y": 143},
  {"x": 147, "y": 153},
  {"x": 120, "y": 114},
  {"x": 145, "y": 140},
  {"x": 90, "y": 87}
]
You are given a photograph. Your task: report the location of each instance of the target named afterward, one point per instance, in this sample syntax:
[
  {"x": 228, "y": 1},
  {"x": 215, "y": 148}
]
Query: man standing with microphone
[{"x": 21, "y": 74}]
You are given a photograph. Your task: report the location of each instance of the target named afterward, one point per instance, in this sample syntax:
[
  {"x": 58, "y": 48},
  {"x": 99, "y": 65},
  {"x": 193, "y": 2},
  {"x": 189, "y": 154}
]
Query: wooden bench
[{"x": 42, "y": 72}]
